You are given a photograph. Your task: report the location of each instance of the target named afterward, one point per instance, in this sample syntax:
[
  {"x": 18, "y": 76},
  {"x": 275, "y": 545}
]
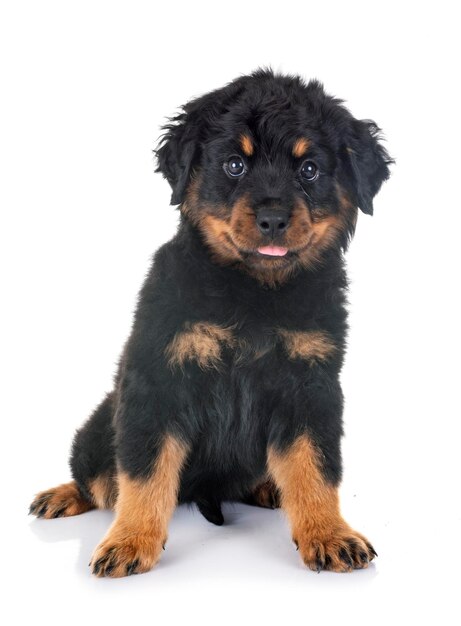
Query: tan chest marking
[
  {"x": 314, "y": 345},
  {"x": 201, "y": 342}
]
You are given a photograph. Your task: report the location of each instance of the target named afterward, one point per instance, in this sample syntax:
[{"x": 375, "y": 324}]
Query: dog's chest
[{"x": 212, "y": 346}]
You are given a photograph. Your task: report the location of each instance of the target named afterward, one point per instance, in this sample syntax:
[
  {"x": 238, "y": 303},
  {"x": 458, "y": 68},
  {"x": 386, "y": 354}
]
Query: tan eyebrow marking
[
  {"x": 247, "y": 144},
  {"x": 300, "y": 147}
]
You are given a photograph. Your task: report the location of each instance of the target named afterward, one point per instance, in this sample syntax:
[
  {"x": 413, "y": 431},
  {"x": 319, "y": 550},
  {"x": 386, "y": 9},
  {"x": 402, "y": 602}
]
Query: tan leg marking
[
  {"x": 135, "y": 540},
  {"x": 324, "y": 539},
  {"x": 104, "y": 490},
  {"x": 201, "y": 342},
  {"x": 63, "y": 501},
  {"x": 312, "y": 346}
]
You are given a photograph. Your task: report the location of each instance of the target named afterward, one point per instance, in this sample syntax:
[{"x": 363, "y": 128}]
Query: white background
[{"x": 85, "y": 87}]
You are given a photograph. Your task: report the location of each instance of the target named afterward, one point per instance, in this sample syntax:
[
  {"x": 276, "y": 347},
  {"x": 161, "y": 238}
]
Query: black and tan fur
[{"x": 228, "y": 387}]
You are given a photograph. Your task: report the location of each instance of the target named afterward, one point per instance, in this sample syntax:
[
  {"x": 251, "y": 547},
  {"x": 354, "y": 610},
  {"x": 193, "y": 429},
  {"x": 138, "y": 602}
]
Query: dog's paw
[
  {"x": 126, "y": 552},
  {"x": 62, "y": 501},
  {"x": 339, "y": 550},
  {"x": 266, "y": 495}
]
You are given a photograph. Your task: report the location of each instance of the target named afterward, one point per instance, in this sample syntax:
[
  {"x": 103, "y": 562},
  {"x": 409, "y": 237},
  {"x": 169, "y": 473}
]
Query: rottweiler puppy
[{"x": 228, "y": 386}]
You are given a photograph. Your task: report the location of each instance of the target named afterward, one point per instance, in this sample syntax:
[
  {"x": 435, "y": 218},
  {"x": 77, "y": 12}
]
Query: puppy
[{"x": 228, "y": 387}]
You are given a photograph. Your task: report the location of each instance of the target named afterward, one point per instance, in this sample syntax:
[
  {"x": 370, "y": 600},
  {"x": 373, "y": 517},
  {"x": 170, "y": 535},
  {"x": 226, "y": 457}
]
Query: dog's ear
[
  {"x": 177, "y": 153},
  {"x": 366, "y": 162},
  {"x": 179, "y": 150}
]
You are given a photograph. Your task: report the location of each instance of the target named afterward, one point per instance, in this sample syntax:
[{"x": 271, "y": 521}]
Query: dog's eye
[
  {"x": 235, "y": 166},
  {"x": 309, "y": 171}
]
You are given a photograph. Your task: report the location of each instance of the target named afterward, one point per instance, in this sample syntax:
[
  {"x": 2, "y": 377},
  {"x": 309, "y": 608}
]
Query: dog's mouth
[
  {"x": 269, "y": 255},
  {"x": 262, "y": 253}
]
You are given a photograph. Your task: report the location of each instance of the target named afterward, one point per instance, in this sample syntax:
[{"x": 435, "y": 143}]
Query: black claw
[
  {"x": 296, "y": 544},
  {"x": 327, "y": 561},
  {"x": 111, "y": 564},
  {"x": 41, "y": 512},
  {"x": 109, "y": 569},
  {"x": 319, "y": 561},
  {"x": 363, "y": 557},
  {"x": 38, "y": 507},
  {"x": 35, "y": 506},
  {"x": 99, "y": 564},
  {"x": 131, "y": 567},
  {"x": 372, "y": 550},
  {"x": 345, "y": 557},
  {"x": 59, "y": 512},
  {"x": 353, "y": 545}
]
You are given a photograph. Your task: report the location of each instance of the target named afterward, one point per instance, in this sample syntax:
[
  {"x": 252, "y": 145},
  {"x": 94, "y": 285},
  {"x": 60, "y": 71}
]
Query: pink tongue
[{"x": 273, "y": 250}]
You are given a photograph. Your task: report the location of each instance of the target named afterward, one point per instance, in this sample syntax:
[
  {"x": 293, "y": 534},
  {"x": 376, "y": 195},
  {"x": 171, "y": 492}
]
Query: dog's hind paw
[{"x": 62, "y": 501}]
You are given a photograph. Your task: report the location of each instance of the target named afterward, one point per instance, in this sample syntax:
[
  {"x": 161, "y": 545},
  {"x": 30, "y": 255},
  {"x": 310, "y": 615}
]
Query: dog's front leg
[
  {"x": 324, "y": 539},
  {"x": 144, "y": 506},
  {"x": 150, "y": 456}
]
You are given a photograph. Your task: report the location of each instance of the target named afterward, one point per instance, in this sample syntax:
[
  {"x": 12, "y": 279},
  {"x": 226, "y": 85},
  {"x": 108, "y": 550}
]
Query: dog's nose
[{"x": 272, "y": 223}]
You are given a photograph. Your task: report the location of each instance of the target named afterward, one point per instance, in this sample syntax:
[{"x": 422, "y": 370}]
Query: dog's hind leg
[{"x": 93, "y": 468}]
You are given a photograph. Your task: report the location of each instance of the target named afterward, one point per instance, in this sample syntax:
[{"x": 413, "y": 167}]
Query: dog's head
[{"x": 272, "y": 171}]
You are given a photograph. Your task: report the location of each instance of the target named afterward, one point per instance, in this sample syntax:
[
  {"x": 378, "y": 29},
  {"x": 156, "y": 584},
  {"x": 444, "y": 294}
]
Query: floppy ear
[
  {"x": 180, "y": 147},
  {"x": 176, "y": 154},
  {"x": 367, "y": 163}
]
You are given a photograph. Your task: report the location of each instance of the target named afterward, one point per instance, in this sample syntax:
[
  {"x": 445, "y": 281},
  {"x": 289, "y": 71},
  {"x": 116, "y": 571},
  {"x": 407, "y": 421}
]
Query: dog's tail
[{"x": 211, "y": 510}]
